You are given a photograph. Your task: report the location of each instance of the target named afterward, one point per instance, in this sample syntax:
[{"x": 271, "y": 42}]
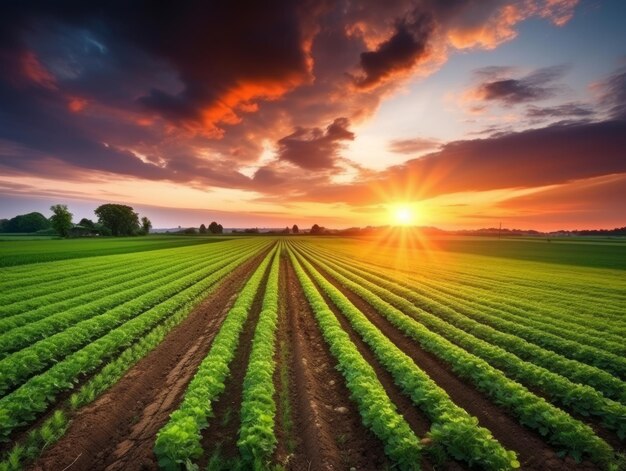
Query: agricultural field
[{"x": 313, "y": 353}]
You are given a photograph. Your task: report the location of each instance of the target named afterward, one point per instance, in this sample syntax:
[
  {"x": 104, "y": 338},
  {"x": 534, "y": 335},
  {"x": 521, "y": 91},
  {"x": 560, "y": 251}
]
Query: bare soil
[
  {"x": 117, "y": 431},
  {"x": 323, "y": 429},
  {"x": 533, "y": 452},
  {"x": 222, "y": 432},
  {"x": 327, "y": 423},
  {"x": 419, "y": 423}
]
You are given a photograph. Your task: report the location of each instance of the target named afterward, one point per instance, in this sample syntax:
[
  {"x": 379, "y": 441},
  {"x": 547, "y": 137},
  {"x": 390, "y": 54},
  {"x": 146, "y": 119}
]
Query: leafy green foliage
[
  {"x": 583, "y": 400},
  {"x": 377, "y": 411},
  {"x": 31, "y": 222},
  {"x": 258, "y": 409},
  {"x": 24, "y": 404},
  {"x": 61, "y": 219},
  {"x": 122, "y": 220},
  {"x": 453, "y": 428},
  {"x": 559, "y": 428},
  {"x": 178, "y": 442}
]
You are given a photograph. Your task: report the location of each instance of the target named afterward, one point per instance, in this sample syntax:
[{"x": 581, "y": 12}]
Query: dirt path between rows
[
  {"x": 419, "y": 423},
  {"x": 329, "y": 428},
  {"x": 117, "y": 431},
  {"x": 533, "y": 452},
  {"x": 221, "y": 436},
  {"x": 287, "y": 446}
]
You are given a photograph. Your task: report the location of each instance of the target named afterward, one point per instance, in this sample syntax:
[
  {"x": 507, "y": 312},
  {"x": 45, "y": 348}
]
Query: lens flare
[{"x": 403, "y": 216}]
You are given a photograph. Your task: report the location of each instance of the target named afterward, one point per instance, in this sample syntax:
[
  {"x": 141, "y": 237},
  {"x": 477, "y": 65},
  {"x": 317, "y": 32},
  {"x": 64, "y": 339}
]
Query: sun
[{"x": 403, "y": 215}]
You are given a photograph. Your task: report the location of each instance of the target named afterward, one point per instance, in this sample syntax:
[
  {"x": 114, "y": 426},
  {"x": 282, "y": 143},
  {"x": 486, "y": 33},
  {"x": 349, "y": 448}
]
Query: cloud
[
  {"x": 412, "y": 146},
  {"x": 314, "y": 148},
  {"x": 34, "y": 71},
  {"x": 596, "y": 202},
  {"x": 497, "y": 86},
  {"x": 400, "y": 52},
  {"x": 613, "y": 94},
  {"x": 567, "y": 110},
  {"x": 488, "y": 24},
  {"x": 193, "y": 92},
  {"x": 538, "y": 157}
]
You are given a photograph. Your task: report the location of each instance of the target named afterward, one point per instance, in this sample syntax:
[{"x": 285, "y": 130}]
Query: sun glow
[{"x": 403, "y": 215}]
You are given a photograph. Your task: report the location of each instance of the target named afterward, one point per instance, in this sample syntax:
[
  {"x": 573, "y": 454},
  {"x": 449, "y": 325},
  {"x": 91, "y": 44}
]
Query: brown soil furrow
[
  {"x": 419, "y": 423},
  {"x": 328, "y": 423},
  {"x": 533, "y": 452},
  {"x": 223, "y": 429},
  {"x": 289, "y": 452},
  {"x": 118, "y": 429}
]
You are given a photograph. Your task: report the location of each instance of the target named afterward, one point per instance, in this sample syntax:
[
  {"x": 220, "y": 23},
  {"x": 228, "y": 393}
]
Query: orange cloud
[
  {"x": 499, "y": 26},
  {"x": 76, "y": 105},
  {"x": 242, "y": 98},
  {"x": 36, "y": 72}
]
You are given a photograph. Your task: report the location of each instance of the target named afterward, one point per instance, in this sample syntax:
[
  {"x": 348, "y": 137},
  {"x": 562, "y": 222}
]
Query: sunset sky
[{"x": 468, "y": 113}]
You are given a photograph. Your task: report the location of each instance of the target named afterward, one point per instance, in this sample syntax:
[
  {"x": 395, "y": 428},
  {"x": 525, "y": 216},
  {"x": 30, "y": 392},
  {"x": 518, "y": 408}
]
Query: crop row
[
  {"x": 50, "y": 319},
  {"x": 258, "y": 408},
  {"x": 18, "y": 276},
  {"x": 571, "y": 287},
  {"x": 530, "y": 321},
  {"x": 13, "y": 293},
  {"x": 449, "y": 309},
  {"x": 559, "y": 428},
  {"x": 23, "y": 405},
  {"x": 552, "y": 295},
  {"x": 489, "y": 292},
  {"x": 581, "y": 399},
  {"x": 39, "y": 275},
  {"x": 21, "y": 365},
  {"x": 493, "y": 329},
  {"x": 453, "y": 429},
  {"x": 377, "y": 411},
  {"x": 178, "y": 442},
  {"x": 47, "y": 319},
  {"x": 53, "y": 428},
  {"x": 67, "y": 290},
  {"x": 35, "y": 252}
]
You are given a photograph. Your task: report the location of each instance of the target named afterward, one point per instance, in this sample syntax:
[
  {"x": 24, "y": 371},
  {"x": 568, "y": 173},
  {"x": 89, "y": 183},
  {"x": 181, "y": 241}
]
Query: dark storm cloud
[
  {"x": 400, "y": 52},
  {"x": 250, "y": 49},
  {"x": 536, "y": 86},
  {"x": 222, "y": 55},
  {"x": 42, "y": 128},
  {"x": 315, "y": 148},
  {"x": 194, "y": 91}
]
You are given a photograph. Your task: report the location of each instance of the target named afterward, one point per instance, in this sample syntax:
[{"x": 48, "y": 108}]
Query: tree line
[{"x": 113, "y": 220}]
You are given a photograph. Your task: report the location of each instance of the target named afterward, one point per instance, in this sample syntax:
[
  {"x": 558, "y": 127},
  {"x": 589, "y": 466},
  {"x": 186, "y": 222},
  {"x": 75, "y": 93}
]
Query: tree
[
  {"x": 87, "y": 223},
  {"x": 286, "y": 230},
  {"x": 215, "y": 228},
  {"x": 31, "y": 222},
  {"x": 61, "y": 219},
  {"x": 316, "y": 229},
  {"x": 122, "y": 220},
  {"x": 202, "y": 229},
  {"x": 146, "y": 225},
  {"x": 295, "y": 229}
]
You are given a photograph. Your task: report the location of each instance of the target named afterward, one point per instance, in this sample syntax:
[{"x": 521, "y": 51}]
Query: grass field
[
  {"x": 313, "y": 353},
  {"x": 23, "y": 250}
]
